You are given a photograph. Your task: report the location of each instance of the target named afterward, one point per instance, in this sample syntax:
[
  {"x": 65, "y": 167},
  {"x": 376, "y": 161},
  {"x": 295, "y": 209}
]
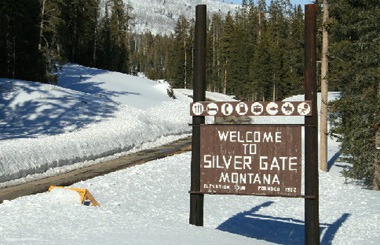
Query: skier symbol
[
  {"x": 241, "y": 108},
  {"x": 227, "y": 109}
]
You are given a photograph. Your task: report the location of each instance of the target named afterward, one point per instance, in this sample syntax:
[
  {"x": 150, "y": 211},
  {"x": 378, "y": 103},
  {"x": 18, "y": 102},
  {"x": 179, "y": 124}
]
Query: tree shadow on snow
[
  {"x": 81, "y": 78},
  {"x": 55, "y": 110},
  {"x": 332, "y": 160},
  {"x": 276, "y": 229}
]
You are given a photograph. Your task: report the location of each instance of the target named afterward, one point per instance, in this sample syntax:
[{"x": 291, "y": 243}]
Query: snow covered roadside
[
  {"x": 149, "y": 204},
  {"x": 142, "y": 205},
  {"x": 92, "y": 114}
]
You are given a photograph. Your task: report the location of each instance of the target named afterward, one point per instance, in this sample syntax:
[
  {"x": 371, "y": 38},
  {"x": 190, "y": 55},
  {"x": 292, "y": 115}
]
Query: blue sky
[{"x": 302, "y": 2}]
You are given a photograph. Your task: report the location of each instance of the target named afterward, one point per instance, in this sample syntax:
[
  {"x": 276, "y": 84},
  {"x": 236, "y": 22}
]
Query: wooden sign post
[
  {"x": 199, "y": 83},
  {"x": 311, "y": 130},
  {"x": 262, "y": 160}
]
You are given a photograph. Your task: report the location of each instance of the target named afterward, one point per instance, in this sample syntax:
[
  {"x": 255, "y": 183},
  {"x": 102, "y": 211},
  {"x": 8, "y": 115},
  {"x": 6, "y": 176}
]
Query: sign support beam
[
  {"x": 311, "y": 131},
  {"x": 199, "y": 87}
]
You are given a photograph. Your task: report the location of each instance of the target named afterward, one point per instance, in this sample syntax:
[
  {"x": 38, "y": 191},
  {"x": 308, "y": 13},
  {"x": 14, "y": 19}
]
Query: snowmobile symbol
[{"x": 272, "y": 108}]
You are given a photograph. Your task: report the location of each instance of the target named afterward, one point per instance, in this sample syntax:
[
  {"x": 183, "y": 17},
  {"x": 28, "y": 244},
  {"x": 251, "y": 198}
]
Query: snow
[
  {"x": 161, "y": 16},
  {"x": 94, "y": 114},
  {"x": 90, "y": 114}
]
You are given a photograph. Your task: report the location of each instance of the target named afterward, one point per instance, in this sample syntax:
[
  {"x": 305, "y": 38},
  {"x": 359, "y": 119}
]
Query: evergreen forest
[{"x": 254, "y": 53}]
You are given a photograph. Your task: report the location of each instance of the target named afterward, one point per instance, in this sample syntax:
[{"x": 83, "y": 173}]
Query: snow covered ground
[
  {"x": 46, "y": 129},
  {"x": 160, "y": 16},
  {"x": 92, "y": 114}
]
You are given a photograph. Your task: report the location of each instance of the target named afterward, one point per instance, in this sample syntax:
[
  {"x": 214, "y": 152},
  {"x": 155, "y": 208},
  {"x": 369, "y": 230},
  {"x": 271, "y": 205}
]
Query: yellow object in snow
[{"x": 84, "y": 194}]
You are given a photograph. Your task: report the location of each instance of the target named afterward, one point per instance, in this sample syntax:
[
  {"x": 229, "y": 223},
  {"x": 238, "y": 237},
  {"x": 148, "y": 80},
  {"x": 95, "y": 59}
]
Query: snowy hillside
[{"x": 160, "y": 16}]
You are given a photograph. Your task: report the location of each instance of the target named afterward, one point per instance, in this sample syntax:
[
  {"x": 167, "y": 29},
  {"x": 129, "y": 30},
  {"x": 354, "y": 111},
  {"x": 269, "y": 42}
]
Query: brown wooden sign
[
  {"x": 251, "y": 160},
  {"x": 249, "y": 108}
]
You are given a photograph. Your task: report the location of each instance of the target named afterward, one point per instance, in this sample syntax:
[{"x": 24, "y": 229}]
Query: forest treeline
[
  {"x": 38, "y": 35},
  {"x": 254, "y": 53}
]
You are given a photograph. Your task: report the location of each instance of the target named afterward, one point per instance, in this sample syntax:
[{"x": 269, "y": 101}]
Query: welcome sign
[{"x": 251, "y": 160}]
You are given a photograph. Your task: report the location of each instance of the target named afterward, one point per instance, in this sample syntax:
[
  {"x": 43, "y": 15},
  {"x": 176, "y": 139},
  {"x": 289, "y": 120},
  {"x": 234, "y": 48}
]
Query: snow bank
[{"x": 92, "y": 114}]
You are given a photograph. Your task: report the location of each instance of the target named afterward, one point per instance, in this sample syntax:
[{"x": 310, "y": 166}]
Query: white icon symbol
[
  {"x": 212, "y": 109},
  {"x": 287, "y": 108},
  {"x": 304, "y": 109},
  {"x": 198, "y": 108},
  {"x": 272, "y": 108},
  {"x": 257, "y": 108},
  {"x": 227, "y": 109},
  {"x": 241, "y": 108}
]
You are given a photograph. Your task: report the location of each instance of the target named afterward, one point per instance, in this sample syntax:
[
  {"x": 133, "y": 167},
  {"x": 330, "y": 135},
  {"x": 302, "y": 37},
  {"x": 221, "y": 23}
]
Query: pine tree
[
  {"x": 182, "y": 54},
  {"x": 278, "y": 28},
  {"x": 294, "y": 55},
  {"x": 355, "y": 62},
  {"x": 104, "y": 41},
  {"x": 171, "y": 66},
  {"x": 227, "y": 53},
  {"x": 78, "y": 30},
  {"x": 214, "y": 71},
  {"x": 114, "y": 37},
  {"x": 20, "y": 57},
  {"x": 119, "y": 36},
  {"x": 151, "y": 55},
  {"x": 48, "y": 45},
  {"x": 244, "y": 42},
  {"x": 261, "y": 68}
]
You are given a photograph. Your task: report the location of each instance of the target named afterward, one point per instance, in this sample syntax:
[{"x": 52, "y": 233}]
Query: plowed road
[{"x": 69, "y": 178}]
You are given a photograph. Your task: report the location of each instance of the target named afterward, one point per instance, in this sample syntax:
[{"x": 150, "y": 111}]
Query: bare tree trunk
[
  {"x": 261, "y": 5},
  {"x": 41, "y": 25},
  {"x": 213, "y": 83},
  {"x": 376, "y": 174},
  {"x": 324, "y": 89},
  {"x": 185, "y": 63},
  {"x": 225, "y": 79},
  {"x": 13, "y": 50},
  {"x": 95, "y": 41},
  {"x": 274, "y": 88},
  {"x": 74, "y": 44}
]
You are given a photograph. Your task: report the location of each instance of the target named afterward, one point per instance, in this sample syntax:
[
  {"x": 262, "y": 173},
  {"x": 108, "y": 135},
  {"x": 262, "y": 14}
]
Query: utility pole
[{"x": 324, "y": 88}]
